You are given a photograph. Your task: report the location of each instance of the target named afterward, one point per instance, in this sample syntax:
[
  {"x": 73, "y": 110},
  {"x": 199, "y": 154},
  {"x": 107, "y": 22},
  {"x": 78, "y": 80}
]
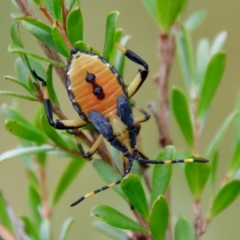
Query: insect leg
[
  {"x": 113, "y": 184},
  {"x": 145, "y": 115},
  {"x": 142, "y": 74},
  {"x": 58, "y": 124}
]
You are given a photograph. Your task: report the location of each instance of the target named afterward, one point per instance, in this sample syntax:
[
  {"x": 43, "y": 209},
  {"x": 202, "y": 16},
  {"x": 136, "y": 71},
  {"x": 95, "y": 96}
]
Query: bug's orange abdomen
[{"x": 106, "y": 77}]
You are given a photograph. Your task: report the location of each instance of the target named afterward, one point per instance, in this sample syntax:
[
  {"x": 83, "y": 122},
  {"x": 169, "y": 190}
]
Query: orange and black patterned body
[{"x": 93, "y": 84}]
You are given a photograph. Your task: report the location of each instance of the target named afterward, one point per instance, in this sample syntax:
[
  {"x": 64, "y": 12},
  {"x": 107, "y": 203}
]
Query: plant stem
[{"x": 166, "y": 56}]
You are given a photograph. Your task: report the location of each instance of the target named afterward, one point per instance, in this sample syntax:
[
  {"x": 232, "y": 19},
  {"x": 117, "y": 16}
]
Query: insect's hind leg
[{"x": 113, "y": 184}]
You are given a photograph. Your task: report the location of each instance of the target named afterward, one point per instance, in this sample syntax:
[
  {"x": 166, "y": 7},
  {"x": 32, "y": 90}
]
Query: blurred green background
[{"x": 134, "y": 19}]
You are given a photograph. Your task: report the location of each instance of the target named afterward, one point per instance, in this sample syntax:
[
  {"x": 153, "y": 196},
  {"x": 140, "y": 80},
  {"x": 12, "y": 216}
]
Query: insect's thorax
[
  {"x": 121, "y": 131},
  {"x": 93, "y": 84}
]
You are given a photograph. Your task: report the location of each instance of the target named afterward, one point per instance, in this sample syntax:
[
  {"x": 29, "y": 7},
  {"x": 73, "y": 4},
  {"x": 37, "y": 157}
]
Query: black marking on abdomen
[{"x": 97, "y": 90}]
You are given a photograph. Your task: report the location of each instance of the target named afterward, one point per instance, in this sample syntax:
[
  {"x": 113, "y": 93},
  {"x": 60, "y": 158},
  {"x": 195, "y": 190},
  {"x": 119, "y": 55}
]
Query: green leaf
[
  {"x": 159, "y": 217},
  {"x": 24, "y": 132},
  {"x": 59, "y": 40},
  {"x": 195, "y": 20},
  {"x": 51, "y": 89},
  {"x": 19, "y": 95},
  {"x": 15, "y": 34},
  {"x": 16, "y": 49},
  {"x": 52, "y": 133},
  {"x": 108, "y": 174},
  {"x": 17, "y": 81},
  {"x": 24, "y": 151},
  {"x": 30, "y": 228},
  {"x": 211, "y": 81},
  {"x": 110, "y": 34},
  {"x": 49, "y": 6},
  {"x": 182, "y": 114},
  {"x": 4, "y": 215},
  {"x": 214, "y": 163},
  {"x": 112, "y": 232},
  {"x": 41, "y": 31},
  {"x": 197, "y": 175},
  {"x": 57, "y": 8},
  {"x": 185, "y": 54},
  {"x": 167, "y": 12},
  {"x": 119, "y": 61},
  {"x": 218, "y": 42},
  {"x": 132, "y": 187},
  {"x": 65, "y": 229},
  {"x": 66, "y": 178},
  {"x": 82, "y": 46},
  {"x": 75, "y": 25},
  {"x": 184, "y": 230},
  {"x": 227, "y": 194},
  {"x": 235, "y": 160},
  {"x": 115, "y": 218},
  {"x": 150, "y": 5},
  {"x": 162, "y": 173},
  {"x": 221, "y": 132},
  {"x": 34, "y": 203},
  {"x": 202, "y": 59}
]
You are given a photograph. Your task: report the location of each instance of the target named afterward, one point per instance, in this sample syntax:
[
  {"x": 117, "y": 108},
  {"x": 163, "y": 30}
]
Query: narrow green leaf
[
  {"x": 108, "y": 174},
  {"x": 66, "y": 178},
  {"x": 45, "y": 230},
  {"x": 110, "y": 34},
  {"x": 24, "y": 151},
  {"x": 235, "y": 160},
  {"x": 75, "y": 25},
  {"x": 185, "y": 54},
  {"x": 51, "y": 89},
  {"x": 24, "y": 132},
  {"x": 52, "y": 133},
  {"x": 115, "y": 218},
  {"x": 218, "y": 42},
  {"x": 19, "y": 95},
  {"x": 49, "y": 6},
  {"x": 57, "y": 8},
  {"x": 41, "y": 31},
  {"x": 167, "y": 12},
  {"x": 184, "y": 230},
  {"x": 17, "y": 81},
  {"x": 150, "y": 5},
  {"x": 16, "y": 49},
  {"x": 59, "y": 40},
  {"x": 132, "y": 187},
  {"x": 30, "y": 228},
  {"x": 4, "y": 216},
  {"x": 202, "y": 59},
  {"x": 119, "y": 61},
  {"x": 82, "y": 46},
  {"x": 227, "y": 194},
  {"x": 182, "y": 114},
  {"x": 162, "y": 173},
  {"x": 65, "y": 229},
  {"x": 15, "y": 34},
  {"x": 195, "y": 20},
  {"x": 34, "y": 203},
  {"x": 214, "y": 164},
  {"x": 159, "y": 217},
  {"x": 221, "y": 132},
  {"x": 112, "y": 232},
  {"x": 211, "y": 81},
  {"x": 197, "y": 175}
]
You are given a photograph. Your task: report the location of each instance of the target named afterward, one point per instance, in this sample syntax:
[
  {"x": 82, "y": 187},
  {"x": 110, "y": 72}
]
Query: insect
[{"x": 100, "y": 97}]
